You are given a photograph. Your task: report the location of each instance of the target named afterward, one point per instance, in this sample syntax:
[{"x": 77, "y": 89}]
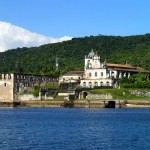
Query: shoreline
[
  {"x": 138, "y": 104},
  {"x": 77, "y": 104}
]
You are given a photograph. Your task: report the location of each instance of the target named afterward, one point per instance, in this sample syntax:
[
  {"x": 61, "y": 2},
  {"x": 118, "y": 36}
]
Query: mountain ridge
[{"x": 41, "y": 60}]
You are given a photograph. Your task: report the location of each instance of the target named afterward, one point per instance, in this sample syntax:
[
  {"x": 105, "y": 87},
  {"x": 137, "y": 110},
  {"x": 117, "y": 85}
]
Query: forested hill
[{"x": 70, "y": 54}]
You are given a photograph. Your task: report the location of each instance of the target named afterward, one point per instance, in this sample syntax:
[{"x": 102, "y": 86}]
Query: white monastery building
[
  {"x": 95, "y": 72},
  {"x": 100, "y": 74}
]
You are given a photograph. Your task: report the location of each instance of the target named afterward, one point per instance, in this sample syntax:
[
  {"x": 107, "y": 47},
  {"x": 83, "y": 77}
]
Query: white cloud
[{"x": 13, "y": 36}]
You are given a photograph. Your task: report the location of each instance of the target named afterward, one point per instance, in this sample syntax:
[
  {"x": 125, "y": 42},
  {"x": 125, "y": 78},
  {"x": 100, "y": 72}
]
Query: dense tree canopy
[
  {"x": 70, "y": 54},
  {"x": 136, "y": 81}
]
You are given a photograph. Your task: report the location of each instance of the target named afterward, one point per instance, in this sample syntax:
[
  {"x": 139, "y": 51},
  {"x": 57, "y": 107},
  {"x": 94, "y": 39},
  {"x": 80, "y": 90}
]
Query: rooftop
[
  {"x": 125, "y": 67},
  {"x": 74, "y": 73}
]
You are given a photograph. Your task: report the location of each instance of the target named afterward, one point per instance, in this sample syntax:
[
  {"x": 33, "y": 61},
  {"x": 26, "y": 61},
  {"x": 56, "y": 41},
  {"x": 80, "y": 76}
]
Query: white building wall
[
  {"x": 66, "y": 78},
  {"x": 93, "y": 82},
  {"x": 95, "y": 74},
  {"x": 93, "y": 62}
]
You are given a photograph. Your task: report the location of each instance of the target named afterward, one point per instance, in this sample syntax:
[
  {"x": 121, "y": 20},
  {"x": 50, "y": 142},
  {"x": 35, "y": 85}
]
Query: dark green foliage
[
  {"x": 35, "y": 91},
  {"x": 136, "y": 81},
  {"x": 70, "y": 54}
]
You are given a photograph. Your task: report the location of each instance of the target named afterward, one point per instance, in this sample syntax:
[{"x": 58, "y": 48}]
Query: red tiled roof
[
  {"x": 124, "y": 67},
  {"x": 119, "y": 65}
]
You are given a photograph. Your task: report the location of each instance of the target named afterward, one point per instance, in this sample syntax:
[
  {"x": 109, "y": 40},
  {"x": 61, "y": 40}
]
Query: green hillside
[{"x": 41, "y": 60}]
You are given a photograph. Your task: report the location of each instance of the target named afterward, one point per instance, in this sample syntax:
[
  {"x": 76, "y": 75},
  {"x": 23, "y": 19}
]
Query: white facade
[
  {"x": 95, "y": 83},
  {"x": 92, "y": 61},
  {"x": 100, "y": 74},
  {"x": 70, "y": 77},
  {"x": 95, "y": 73}
]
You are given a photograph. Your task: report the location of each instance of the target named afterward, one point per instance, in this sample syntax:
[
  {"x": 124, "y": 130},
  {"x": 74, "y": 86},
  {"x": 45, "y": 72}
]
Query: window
[
  {"x": 112, "y": 74},
  {"x": 95, "y": 74},
  {"x": 5, "y": 84},
  {"x": 107, "y": 83},
  {"x": 88, "y": 62},
  {"x": 9, "y": 76},
  {"x": 84, "y": 84},
  {"x": 90, "y": 74},
  {"x": 101, "y": 83},
  {"x": 90, "y": 85},
  {"x": 4, "y": 76},
  {"x": 101, "y": 73},
  {"x": 95, "y": 84}
]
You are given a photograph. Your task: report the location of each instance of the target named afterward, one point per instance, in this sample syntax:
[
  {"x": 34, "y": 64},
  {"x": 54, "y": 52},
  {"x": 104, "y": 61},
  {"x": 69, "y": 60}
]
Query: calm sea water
[{"x": 74, "y": 129}]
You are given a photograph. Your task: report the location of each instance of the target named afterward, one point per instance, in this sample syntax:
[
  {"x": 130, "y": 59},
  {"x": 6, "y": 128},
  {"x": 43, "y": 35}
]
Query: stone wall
[
  {"x": 14, "y": 87},
  {"x": 27, "y": 97},
  {"x": 6, "y": 88},
  {"x": 140, "y": 93},
  {"x": 24, "y": 83},
  {"x": 99, "y": 96},
  {"x": 30, "y": 97}
]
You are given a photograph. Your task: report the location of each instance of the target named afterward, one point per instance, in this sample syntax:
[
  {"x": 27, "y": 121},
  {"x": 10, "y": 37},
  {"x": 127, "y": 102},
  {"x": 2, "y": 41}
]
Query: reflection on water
[{"x": 61, "y": 128}]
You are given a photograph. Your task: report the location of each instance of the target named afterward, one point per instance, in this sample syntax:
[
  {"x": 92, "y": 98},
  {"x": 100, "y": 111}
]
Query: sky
[{"x": 36, "y": 22}]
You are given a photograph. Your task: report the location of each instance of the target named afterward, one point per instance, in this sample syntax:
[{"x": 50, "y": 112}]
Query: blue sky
[
  {"x": 78, "y": 18},
  {"x": 26, "y": 23}
]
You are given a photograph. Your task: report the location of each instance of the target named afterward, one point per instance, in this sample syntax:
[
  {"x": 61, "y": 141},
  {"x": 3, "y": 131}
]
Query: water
[{"x": 74, "y": 129}]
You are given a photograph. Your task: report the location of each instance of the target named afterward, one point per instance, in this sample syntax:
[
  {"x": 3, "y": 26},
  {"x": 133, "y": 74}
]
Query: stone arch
[
  {"x": 101, "y": 83},
  {"x": 95, "y": 83},
  {"x": 84, "y": 84},
  {"x": 85, "y": 93},
  {"x": 90, "y": 84},
  {"x": 107, "y": 83}
]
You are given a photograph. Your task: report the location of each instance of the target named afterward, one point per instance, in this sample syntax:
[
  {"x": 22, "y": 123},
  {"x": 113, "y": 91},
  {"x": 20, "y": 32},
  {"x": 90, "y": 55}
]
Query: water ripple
[{"x": 74, "y": 129}]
